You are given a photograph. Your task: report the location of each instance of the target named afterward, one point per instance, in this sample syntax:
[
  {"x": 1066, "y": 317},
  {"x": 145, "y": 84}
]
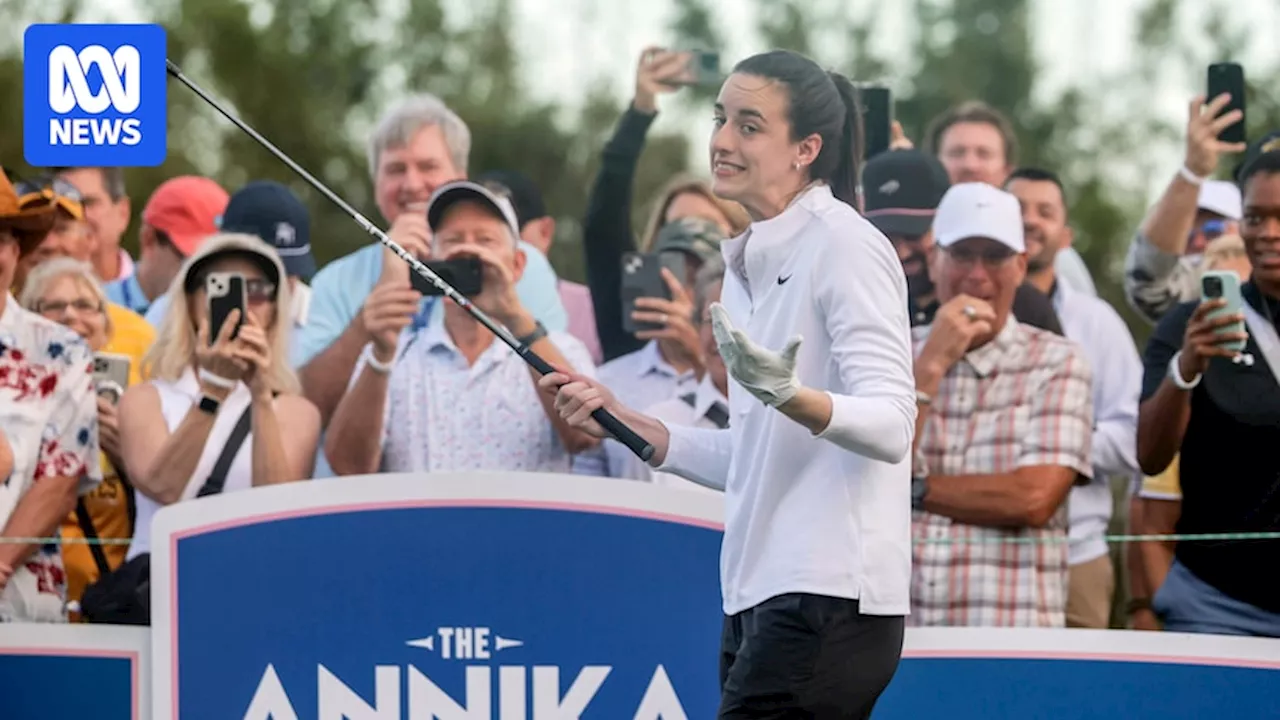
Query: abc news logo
[
  {"x": 94, "y": 95},
  {"x": 121, "y": 90}
]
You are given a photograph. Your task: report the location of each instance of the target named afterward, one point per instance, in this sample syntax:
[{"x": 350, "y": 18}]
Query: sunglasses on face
[
  {"x": 992, "y": 258},
  {"x": 259, "y": 291},
  {"x": 256, "y": 290},
  {"x": 1210, "y": 229}
]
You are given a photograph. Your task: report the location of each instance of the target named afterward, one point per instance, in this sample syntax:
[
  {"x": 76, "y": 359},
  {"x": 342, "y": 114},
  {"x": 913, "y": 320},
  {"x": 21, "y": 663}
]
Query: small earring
[{"x": 795, "y": 165}]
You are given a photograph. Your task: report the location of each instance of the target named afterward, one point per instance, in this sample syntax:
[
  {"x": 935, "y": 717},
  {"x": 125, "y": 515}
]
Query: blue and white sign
[
  {"x": 1011, "y": 674},
  {"x": 94, "y": 95},
  {"x": 72, "y": 672},
  {"x": 453, "y": 596}
]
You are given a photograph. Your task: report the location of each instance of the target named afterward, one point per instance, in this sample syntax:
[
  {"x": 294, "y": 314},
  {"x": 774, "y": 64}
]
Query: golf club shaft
[{"x": 611, "y": 424}]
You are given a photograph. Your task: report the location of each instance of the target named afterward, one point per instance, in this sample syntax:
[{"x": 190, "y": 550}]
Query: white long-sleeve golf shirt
[{"x": 830, "y": 514}]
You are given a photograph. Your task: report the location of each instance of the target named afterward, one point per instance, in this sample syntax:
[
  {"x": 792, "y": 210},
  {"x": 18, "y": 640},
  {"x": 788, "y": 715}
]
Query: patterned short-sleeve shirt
[
  {"x": 49, "y": 413},
  {"x": 443, "y": 414},
  {"x": 1023, "y": 399}
]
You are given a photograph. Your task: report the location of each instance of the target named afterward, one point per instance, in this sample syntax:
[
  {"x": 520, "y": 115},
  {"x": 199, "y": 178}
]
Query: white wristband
[
  {"x": 216, "y": 380},
  {"x": 375, "y": 364},
  {"x": 1191, "y": 177},
  {"x": 1175, "y": 374}
]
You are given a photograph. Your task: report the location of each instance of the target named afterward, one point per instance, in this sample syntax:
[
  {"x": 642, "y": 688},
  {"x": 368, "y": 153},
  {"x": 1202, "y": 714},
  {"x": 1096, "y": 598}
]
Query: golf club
[{"x": 624, "y": 434}]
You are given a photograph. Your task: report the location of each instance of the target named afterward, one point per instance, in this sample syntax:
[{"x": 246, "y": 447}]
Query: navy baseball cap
[
  {"x": 1266, "y": 145},
  {"x": 901, "y": 191},
  {"x": 522, "y": 191},
  {"x": 272, "y": 212}
]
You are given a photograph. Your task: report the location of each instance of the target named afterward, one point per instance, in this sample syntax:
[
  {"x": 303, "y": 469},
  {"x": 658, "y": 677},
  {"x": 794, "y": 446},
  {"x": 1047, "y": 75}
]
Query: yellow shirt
[
  {"x": 1165, "y": 486},
  {"x": 108, "y": 504}
]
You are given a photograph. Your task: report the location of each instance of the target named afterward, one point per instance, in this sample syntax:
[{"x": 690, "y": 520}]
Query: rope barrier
[{"x": 1032, "y": 540}]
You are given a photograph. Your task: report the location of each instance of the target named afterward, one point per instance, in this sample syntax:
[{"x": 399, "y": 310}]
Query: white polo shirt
[
  {"x": 827, "y": 515},
  {"x": 1117, "y": 382}
]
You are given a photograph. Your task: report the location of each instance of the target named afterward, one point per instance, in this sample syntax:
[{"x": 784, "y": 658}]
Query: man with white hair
[
  {"x": 1165, "y": 260},
  {"x": 419, "y": 145},
  {"x": 448, "y": 395}
]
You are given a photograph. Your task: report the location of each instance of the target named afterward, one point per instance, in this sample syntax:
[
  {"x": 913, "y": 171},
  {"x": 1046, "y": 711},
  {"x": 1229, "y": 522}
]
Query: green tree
[{"x": 313, "y": 77}]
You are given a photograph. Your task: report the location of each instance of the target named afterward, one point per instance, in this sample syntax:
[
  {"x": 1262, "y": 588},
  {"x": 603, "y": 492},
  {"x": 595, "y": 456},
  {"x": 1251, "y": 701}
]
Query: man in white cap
[
  {"x": 1165, "y": 260},
  {"x": 445, "y": 394},
  {"x": 1003, "y": 432}
]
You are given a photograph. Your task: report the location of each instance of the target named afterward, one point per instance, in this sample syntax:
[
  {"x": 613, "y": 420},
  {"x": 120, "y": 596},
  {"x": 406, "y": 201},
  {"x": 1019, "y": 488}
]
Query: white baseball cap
[
  {"x": 1221, "y": 197},
  {"x": 979, "y": 210},
  {"x": 450, "y": 193}
]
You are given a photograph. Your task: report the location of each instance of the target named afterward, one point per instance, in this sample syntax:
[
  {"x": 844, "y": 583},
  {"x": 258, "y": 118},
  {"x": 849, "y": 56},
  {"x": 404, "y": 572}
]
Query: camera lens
[{"x": 1213, "y": 287}]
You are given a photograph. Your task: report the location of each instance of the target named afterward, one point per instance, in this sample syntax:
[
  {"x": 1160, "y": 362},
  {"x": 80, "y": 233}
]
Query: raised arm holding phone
[{"x": 1211, "y": 396}]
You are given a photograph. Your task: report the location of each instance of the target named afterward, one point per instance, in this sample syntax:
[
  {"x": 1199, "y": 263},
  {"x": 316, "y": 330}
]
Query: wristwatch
[
  {"x": 209, "y": 404},
  {"x": 539, "y": 332},
  {"x": 919, "y": 488}
]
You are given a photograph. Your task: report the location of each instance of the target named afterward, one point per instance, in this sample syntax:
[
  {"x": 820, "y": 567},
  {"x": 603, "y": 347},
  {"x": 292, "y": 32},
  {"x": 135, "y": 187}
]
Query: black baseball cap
[
  {"x": 521, "y": 190},
  {"x": 901, "y": 190},
  {"x": 272, "y": 212},
  {"x": 1268, "y": 144}
]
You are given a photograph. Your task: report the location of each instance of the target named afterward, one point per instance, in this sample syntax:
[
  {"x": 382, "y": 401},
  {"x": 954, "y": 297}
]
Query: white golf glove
[{"x": 767, "y": 375}]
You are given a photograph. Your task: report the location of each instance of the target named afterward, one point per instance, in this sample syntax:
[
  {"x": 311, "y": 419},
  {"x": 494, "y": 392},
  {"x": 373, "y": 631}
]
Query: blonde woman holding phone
[{"x": 211, "y": 397}]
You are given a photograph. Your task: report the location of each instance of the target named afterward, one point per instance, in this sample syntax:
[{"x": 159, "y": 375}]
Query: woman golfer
[{"x": 815, "y": 464}]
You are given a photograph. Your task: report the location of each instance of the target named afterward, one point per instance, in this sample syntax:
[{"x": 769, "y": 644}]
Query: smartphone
[
  {"x": 1228, "y": 78},
  {"x": 876, "y": 103},
  {"x": 111, "y": 375},
  {"x": 642, "y": 277},
  {"x": 1225, "y": 284},
  {"x": 465, "y": 274},
  {"x": 226, "y": 293},
  {"x": 702, "y": 69}
]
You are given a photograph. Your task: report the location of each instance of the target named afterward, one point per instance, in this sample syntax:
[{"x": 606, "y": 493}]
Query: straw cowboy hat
[{"x": 30, "y": 224}]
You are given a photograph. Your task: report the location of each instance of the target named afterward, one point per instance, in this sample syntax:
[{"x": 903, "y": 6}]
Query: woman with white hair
[{"x": 208, "y": 394}]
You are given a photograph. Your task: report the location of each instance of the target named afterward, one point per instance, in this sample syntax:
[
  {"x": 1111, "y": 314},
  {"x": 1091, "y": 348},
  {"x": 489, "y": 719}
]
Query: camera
[{"x": 1212, "y": 287}]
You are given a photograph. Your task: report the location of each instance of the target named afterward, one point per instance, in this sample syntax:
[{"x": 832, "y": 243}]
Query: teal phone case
[{"x": 1225, "y": 284}]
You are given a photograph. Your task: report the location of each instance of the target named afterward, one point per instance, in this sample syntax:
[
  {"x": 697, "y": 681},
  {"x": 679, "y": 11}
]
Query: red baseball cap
[{"x": 187, "y": 209}]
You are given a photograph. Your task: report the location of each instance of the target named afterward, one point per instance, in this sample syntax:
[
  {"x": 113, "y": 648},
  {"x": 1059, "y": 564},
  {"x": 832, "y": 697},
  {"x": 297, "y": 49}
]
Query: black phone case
[
  {"x": 1229, "y": 78},
  {"x": 642, "y": 277},
  {"x": 466, "y": 275},
  {"x": 221, "y": 305}
]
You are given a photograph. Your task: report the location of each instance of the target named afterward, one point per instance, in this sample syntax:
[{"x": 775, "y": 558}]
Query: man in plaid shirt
[{"x": 1003, "y": 432}]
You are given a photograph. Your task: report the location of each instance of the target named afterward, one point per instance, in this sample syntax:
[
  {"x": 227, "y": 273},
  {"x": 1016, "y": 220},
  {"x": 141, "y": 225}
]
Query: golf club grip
[{"x": 611, "y": 424}]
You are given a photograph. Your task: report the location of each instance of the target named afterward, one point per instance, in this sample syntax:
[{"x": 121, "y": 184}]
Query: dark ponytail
[
  {"x": 845, "y": 179},
  {"x": 823, "y": 103}
]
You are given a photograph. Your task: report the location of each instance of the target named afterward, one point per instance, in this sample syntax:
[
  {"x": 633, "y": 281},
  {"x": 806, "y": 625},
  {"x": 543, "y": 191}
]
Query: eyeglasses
[
  {"x": 82, "y": 306},
  {"x": 992, "y": 259}
]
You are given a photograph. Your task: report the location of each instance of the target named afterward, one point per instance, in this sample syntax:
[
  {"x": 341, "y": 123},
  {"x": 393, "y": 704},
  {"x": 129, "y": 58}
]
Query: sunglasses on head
[{"x": 46, "y": 189}]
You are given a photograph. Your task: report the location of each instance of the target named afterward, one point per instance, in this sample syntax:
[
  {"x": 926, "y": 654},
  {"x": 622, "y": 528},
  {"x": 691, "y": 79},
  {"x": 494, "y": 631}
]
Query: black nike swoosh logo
[{"x": 783, "y": 280}]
